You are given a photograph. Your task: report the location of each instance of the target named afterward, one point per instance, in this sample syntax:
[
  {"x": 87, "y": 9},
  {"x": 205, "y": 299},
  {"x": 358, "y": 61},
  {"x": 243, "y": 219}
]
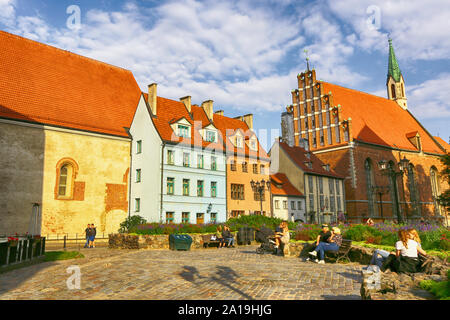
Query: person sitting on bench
[
  {"x": 219, "y": 237},
  {"x": 333, "y": 244},
  {"x": 282, "y": 235},
  {"x": 323, "y": 236},
  {"x": 227, "y": 236}
]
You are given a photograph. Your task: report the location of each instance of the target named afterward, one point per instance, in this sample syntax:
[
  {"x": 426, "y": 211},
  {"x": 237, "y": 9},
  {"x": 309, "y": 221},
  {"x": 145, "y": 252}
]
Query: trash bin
[
  {"x": 180, "y": 242},
  {"x": 245, "y": 236}
]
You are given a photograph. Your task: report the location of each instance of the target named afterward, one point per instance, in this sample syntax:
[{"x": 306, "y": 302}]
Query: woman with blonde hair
[
  {"x": 406, "y": 258},
  {"x": 219, "y": 236},
  {"x": 333, "y": 244}
]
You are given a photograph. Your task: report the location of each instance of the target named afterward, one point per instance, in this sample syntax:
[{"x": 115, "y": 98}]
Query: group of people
[
  {"x": 224, "y": 236},
  {"x": 405, "y": 258},
  {"x": 327, "y": 240},
  {"x": 91, "y": 232}
]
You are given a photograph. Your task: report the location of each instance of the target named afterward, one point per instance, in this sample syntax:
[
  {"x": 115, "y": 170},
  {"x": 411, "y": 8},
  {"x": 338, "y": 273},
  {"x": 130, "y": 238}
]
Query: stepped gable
[
  {"x": 378, "y": 120},
  {"x": 45, "y": 85}
]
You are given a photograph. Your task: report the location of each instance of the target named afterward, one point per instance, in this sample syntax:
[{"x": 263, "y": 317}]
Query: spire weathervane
[{"x": 307, "y": 58}]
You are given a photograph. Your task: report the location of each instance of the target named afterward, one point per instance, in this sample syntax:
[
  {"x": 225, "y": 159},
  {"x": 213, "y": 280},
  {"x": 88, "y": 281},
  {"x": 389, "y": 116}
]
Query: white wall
[{"x": 149, "y": 161}]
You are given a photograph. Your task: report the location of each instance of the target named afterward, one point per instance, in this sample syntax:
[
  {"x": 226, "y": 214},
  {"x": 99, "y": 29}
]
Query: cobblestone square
[{"x": 208, "y": 274}]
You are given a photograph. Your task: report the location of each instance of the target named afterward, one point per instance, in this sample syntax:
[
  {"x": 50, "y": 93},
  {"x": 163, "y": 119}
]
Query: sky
[{"x": 245, "y": 55}]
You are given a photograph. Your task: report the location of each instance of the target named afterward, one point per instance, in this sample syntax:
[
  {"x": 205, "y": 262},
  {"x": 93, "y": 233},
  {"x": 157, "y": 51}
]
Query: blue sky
[{"x": 245, "y": 54}]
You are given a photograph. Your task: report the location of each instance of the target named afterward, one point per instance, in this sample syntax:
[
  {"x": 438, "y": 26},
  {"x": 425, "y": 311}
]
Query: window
[
  {"x": 299, "y": 205},
  {"x": 169, "y": 217},
  {"x": 311, "y": 192},
  {"x": 255, "y": 168},
  {"x": 239, "y": 142},
  {"x": 393, "y": 91},
  {"x": 332, "y": 197},
  {"x": 213, "y": 163},
  {"x": 199, "y": 188},
  {"x": 253, "y": 144},
  {"x": 63, "y": 173},
  {"x": 185, "y": 187},
  {"x": 137, "y": 204},
  {"x": 170, "y": 156},
  {"x": 293, "y": 205},
  {"x": 370, "y": 187},
  {"x": 170, "y": 185},
  {"x": 200, "y": 218},
  {"x": 185, "y": 217},
  {"x": 244, "y": 167},
  {"x": 233, "y": 165},
  {"x": 435, "y": 190},
  {"x": 186, "y": 159},
  {"x": 262, "y": 169},
  {"x": 321, "y": 195},
  {"x": 210, "y": 136},
  {"x": 200, "y": 161},
  {"x": 138, "y": 175},
  {"x": 183, "y": 131},
  {"x": 277, "y": 204},
  {"x": 236, "y": 213},
  {"x": 213, "y": 189},
  {"x": 260, "y": 196},
  {"x": 413, "y": 190},
  {"x": 237, "y": 191},
  {"x": 213, "y": 217},
  {"x": 139, "y": 146},
  {"x": 284, "y": 204},
  {"x": 66, "y": 171},
  {"x": 338, "y": 195}
]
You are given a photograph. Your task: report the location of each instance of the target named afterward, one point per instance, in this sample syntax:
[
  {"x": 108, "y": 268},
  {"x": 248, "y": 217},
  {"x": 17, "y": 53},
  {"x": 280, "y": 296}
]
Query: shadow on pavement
[
  {"x": 224, "y": 276},
  {"x": 354, "y": 276},
  {"x": 343, "y": 297}
]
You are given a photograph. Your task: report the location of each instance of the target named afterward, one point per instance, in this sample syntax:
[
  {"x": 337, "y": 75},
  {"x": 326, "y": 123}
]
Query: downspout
[
  {"x": 162, "y": 181},
  {"x": 129, "y": 174}
]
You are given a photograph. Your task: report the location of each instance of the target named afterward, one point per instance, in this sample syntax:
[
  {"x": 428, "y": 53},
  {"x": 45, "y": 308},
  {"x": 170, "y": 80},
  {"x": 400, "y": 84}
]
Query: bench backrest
[{"x": 345, "y": 245}]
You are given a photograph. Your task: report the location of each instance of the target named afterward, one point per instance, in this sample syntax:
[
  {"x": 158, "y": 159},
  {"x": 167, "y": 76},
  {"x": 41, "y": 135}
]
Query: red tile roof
[
  {"x": 46, "y": 85},
  {"x": 443, "y": 143},
  {"x": 378, "y": 120},
  {"x": 170, "y": 111},
  {"x": 298, "y": 156},
  {"x": 281, "y": 186}
]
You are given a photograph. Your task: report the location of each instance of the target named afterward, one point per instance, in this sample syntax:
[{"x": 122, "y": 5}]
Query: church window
[
  {"x": 393, "y": 91},
  {"x": 413, "y": 190},
  {"x": 435, "y": 191},
  {"x": 66, "y": 171},
  {"x": 370, "y": 186}
]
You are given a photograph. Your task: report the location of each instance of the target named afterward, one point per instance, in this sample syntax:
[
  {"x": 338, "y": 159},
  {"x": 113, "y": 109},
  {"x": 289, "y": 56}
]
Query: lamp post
[
  {"x": 381, "y": 190},
  {"x": 389, "y": 171},
  {"x": 260, "y": 187}
]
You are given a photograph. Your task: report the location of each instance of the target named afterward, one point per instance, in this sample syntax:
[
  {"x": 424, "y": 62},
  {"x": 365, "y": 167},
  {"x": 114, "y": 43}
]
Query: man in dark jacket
[{"x": 88, "y": 235}]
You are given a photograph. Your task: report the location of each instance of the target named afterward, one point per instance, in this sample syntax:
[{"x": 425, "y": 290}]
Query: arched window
[
  {"x": 392, "y": 187},
  {"x": 393, "y": 91},
  {"x": 370, "y": 187},
  {"x": 413, "y": 190},
  {"x": 403, "y": 89},
  {"x": 435, "y": 189},
  {"x": 66, "y": 171}
]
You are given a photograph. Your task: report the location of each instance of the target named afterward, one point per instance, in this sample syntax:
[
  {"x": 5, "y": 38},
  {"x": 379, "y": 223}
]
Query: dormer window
[
  {"x": 253, "y": 144},
  {"x": 210, "y": 136},
  {"x": 239, "y": 142},
  {"x": 183, "y": 131}
]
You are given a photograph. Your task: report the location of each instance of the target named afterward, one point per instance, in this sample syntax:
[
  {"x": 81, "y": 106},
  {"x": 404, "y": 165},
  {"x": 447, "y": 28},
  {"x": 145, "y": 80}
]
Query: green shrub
[
  {"x": 130, "y": 223},
  {"x": 440, "y": 289}
]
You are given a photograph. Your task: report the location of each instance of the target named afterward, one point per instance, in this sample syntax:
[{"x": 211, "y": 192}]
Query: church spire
[
  {"x": 395, "y": 83},
  {"x": 393, "y": 68}
]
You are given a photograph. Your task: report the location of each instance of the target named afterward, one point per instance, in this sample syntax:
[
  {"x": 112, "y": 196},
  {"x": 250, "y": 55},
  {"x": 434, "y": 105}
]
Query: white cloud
[
  {"x": 419, "y": 28},
  {"x": 7, "y": 12}
]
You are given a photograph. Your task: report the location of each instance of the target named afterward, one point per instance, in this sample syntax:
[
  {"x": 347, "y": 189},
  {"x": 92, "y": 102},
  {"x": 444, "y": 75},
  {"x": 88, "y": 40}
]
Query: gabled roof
[
  {"x": 378, "y": 120},
  {"x": 444, "y": 144},
  {"x": 45, "y": 85},
  {"x": 298, "y": 156},
  {"x": 281, "y": 186}
]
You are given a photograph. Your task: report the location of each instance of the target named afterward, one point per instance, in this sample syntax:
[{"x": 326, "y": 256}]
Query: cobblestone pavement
[{"x": 220, "y": 274}]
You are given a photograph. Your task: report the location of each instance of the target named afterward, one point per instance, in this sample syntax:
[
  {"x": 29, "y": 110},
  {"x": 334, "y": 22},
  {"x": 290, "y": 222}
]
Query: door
[{"x": 200, "y": 218}]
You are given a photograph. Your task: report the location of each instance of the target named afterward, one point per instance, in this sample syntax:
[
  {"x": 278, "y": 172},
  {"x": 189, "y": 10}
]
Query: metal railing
[{"x": 72, "y": 240}]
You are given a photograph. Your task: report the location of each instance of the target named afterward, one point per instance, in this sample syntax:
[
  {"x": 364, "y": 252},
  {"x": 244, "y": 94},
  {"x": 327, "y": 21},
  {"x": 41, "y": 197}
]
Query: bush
[
  {"x": 130, "y": 223},
  {"x": 440, "y": 289}
]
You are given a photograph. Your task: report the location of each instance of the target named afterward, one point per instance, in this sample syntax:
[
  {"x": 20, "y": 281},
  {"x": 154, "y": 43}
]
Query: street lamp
[
  {"x": 389, "y": 171},
  {"x": 260, "y": 187}
]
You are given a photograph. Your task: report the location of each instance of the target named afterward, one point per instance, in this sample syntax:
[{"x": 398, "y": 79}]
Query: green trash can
[{"x": 180, "y": 242}]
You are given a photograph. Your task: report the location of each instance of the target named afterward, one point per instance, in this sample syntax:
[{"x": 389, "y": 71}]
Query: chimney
[
  {"x": 187, "y": 102},
  {"x": 152, "y": 97},
  {"x": 248, "y": 119},
  {"x": 241, "y": 118},
  {"x": 208, "y": 108},
  {"x": 219, "y": 112}
]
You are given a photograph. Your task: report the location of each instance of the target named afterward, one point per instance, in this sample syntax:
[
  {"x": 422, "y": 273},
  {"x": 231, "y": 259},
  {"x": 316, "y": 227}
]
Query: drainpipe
[
  {"x": 129, "y": 174},
  {"x": 162, "y": 181}
]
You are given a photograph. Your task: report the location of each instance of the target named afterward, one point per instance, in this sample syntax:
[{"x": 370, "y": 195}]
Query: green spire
[{"x": 393, "y": 69}]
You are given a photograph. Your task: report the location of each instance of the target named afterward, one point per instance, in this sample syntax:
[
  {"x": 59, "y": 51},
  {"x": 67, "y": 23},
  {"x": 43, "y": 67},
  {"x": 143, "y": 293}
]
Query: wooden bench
[
  {"x": 207, "y": 240},
  {"x": 343, "y": 251}
]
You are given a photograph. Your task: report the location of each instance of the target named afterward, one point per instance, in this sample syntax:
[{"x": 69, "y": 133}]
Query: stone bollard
[{"x": 371, "y": 282}]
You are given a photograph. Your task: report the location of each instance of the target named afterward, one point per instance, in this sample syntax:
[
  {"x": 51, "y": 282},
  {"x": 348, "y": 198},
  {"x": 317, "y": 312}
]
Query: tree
[{"x": 444, "y": 198}]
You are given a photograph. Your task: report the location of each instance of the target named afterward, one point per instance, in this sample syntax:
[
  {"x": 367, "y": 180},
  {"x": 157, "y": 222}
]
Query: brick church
[{"x": 390, "y": 162}]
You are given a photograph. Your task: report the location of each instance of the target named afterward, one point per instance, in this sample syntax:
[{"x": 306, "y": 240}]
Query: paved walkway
[{"x": 220, "y": 274}]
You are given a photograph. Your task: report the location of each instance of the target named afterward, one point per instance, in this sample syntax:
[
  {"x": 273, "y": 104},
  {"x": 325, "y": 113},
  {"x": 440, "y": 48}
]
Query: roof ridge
[
  {"x": 366, "y": 93},
  {"x": 12, "y": 35}
]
